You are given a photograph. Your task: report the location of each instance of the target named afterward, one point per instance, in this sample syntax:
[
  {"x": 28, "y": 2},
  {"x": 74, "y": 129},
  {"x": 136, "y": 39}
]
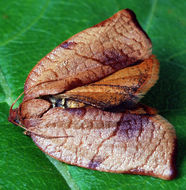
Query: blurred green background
[{"x": 29, "y": 30}]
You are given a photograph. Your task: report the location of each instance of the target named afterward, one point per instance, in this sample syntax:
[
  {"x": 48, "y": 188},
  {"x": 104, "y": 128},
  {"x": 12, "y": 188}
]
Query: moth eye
[
  {"x": 17, "y": 120},
  {"x": 59, "y": 102}
]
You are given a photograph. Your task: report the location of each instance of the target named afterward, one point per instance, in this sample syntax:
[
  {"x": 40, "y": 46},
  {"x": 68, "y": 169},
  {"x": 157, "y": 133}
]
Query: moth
[{"x": 81, "y": 102}]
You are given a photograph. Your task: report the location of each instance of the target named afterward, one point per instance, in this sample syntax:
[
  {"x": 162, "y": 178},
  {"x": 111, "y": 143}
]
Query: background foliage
[{"x": 29, "y": 30}]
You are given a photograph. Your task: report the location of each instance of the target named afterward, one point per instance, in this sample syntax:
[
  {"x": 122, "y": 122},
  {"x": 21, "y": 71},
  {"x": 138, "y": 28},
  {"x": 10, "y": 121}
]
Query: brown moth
[{"x": 81, "y": 106}]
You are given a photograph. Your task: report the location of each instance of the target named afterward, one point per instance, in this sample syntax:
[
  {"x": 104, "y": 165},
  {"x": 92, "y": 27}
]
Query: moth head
[{"x": 13, "y": 116}]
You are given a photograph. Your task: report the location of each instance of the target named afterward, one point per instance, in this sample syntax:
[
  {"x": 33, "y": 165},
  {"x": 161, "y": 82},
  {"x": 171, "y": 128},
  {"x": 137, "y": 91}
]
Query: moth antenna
[
  {"x": 45, "y": 136},
  {"x": 16, "y": 101}
]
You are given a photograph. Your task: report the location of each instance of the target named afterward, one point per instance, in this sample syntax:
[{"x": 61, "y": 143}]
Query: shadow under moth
[{"x": 81, "y": 107}]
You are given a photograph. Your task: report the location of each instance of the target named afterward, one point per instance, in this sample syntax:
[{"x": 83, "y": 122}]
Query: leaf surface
[{"x": 31, "y": 29}]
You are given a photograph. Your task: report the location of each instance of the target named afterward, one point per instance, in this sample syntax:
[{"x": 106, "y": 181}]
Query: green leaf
[{"x": 29, "y": 30}]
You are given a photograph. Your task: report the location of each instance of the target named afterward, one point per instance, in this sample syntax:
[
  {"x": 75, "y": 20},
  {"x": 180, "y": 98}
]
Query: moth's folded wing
[
  {"x": 112, "y": 142},
  {"x": 125, "y": 87},
  {"x": 89, "y": 56}
]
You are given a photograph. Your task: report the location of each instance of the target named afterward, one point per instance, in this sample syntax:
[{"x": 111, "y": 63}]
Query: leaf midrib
[
  {"x": 63, "y": 170},
  {"x": 28, "y": 27},
  {"x": 151, "y": 14},
  {"x": 6, "y": 89}
]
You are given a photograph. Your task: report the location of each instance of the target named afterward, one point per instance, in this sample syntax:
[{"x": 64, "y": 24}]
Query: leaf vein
[
  {"x": 63, "y": 170},
  {"x": 29, "y": 26},
  {"x": 151, "y": 14},
  {"x": 6, "y": 89}
]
